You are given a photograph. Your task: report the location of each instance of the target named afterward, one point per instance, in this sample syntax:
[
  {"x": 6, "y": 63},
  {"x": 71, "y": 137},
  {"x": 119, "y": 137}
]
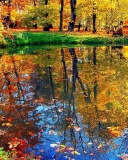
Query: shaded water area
[{"x": 65, "y": 103}]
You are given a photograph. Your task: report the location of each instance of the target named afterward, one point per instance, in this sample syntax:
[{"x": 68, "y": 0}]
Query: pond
[{"x": 65, "y": 103}]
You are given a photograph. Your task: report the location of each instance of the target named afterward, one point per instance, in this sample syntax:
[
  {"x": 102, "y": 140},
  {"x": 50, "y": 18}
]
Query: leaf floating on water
[
  {"x": 61, "y": 150},
  {"x": 10, "y": 119},
  {"x": 2, "y": 132},
  {"x": 52, "y": 132},
  {"x": 7, "y": 124},
  {"x": 92, "y": 154},
  {"x": 89, "y": 143},
  {"x": 77, "y": 128},
  {"x": 100, "y": 145},
  {"x": 69, "y": 149},
  {"x": 75, "y": 152},
  {"x": 60, "y": 109},
  {"x": 31, "y": 133},
  {"x": 2, "y": 118},
  {"x": 53, "y": 145},
  {"x": 124, "y": 156},
  {"x": 69, "y": 119},
  {"x": 85, "y": 152},
  {"x": 63, "y": 146},
  {"x": 56, "y": 116},
  {"x": 41, "y": 100}
]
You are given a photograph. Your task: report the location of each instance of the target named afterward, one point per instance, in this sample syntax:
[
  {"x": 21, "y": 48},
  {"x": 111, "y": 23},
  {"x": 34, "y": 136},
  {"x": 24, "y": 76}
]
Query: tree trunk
[
  {"x": 61, "y": 15},
  {"x": 94, "y": 18},
  {"x": 79, "y": 27},
  {"x": 73, "y": 15},
  {"x": 34, "y": 2},
  {"x": 46, "y": 2},
  {"x": 94, "y": 23},
  {"x": 47, "y": 26}
]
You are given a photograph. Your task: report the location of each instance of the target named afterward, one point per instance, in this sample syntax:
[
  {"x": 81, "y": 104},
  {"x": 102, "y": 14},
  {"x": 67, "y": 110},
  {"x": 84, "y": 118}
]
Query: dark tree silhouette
[
  {"x": 94, "y": 18},
  {"x": 61, "y": 14},
  {"x": 73, "y": 15}
]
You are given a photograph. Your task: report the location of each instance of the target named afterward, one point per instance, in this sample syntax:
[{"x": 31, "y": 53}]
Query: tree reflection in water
[{"x": 71, "y": 103}]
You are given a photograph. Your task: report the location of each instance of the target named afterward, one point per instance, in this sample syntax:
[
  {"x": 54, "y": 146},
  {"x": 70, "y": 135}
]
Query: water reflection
[{"x": 68, "y": 103}]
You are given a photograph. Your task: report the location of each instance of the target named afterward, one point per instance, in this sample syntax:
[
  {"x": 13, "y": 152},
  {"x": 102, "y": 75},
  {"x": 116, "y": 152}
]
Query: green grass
[
  {"x": 29, "y": 38},
  {"x": 6, "y": 155}
]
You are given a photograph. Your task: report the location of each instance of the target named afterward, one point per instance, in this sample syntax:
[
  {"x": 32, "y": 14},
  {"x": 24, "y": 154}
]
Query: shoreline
[{"x": 33, "y": 38}]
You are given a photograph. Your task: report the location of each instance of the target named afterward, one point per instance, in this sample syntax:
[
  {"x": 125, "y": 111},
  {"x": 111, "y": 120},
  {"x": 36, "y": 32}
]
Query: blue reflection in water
[{"x": 87, "y": 149}]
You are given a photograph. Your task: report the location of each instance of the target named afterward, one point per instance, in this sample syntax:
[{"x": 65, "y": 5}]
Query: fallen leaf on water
[
  {"x": 100, "y": 145},
  {"x": 124, "y": 156},
  {"x": 77, "y": 128},
  {"x": 75, "y": 152},
  {"x": 53, "y": 145},
  {"x": 89, "y": 143},
  {"x": 7, "y": 124},
  {"x": 69, "y": 149},
  {"x": 60, "y": 109},
  {"x": 69, "y": 119},
  {"x": 61, "y": 150},
  {"x": 52, "y": 132},
  {"x": 91, "y": 154},
  {"x": 10, "y": 119},
  {"x": 63, "y": 146},
  {"x": 2, "y": 132}
]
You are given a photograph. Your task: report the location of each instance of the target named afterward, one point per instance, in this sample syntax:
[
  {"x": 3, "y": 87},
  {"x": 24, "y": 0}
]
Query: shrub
[{"x": 4, "y": 155}]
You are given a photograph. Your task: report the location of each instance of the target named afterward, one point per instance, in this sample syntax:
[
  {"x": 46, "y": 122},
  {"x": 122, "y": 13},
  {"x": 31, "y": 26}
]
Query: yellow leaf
[
  {"x": 100, "y": 145},
  {"x": 75, "y": 152},
  {"x": 63, "y": 146},
  {"x": 7, "y": 124}
]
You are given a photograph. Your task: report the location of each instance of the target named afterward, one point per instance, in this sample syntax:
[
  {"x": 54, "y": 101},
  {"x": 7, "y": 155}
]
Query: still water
[{"x": 65, "y": 103}]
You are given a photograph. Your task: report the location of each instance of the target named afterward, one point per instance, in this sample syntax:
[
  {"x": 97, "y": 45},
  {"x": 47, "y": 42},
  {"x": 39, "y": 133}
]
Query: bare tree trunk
[
  {"x": 47, "y": 25},
  {"x": 61, "y": 15},
  {"x": 94, "y": 23},
  {"x": 46, "y": 2},
  {"x": 73, "y": 15},
  {"x": 34, "y": 2},
  {"x": 73, "y": 10},
  {"x": 94, "y": 18}
]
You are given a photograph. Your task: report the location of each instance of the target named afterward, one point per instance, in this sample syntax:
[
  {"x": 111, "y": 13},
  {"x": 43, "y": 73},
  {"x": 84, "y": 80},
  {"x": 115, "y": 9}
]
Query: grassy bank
[{"x": 29, "y": 38}]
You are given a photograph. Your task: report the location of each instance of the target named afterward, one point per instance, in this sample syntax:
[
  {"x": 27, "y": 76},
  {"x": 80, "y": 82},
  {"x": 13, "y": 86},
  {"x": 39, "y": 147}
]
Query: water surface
[{"x": 65, "y": 103}]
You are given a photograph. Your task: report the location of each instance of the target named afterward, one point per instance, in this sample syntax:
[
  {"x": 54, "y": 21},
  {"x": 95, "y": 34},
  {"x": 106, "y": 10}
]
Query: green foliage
[
  {"x": 42, "y": 15},
  {"x": 4, "y": 155},
  {"x": 9, "y": 156},
  {"x": 2, "y": 40},
  {"x": 1, "y": 27}
]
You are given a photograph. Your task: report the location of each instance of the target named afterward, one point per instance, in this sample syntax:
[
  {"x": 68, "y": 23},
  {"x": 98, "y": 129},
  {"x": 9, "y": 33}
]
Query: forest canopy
[{"x": 89, "y": 14}]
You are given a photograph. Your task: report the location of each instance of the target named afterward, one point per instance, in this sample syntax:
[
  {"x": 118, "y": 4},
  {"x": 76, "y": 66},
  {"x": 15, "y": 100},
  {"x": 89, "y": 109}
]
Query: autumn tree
[
  {"x": 95, "y": 14},
  {"x": 43, "y": 15}
]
